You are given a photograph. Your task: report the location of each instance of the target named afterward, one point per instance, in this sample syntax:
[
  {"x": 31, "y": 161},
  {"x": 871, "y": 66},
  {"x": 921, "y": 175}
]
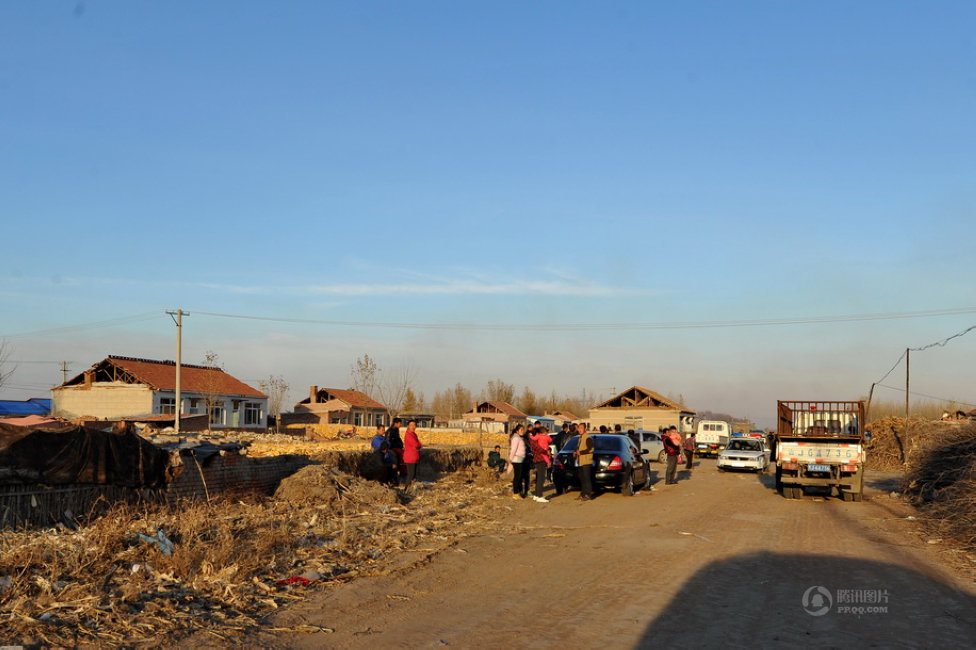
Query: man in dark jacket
[{"x": 395, "y": 442}]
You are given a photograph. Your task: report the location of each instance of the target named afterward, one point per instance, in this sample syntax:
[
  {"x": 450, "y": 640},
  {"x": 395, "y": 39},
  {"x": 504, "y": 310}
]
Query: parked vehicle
[
  {"x": 712, "y": 437},
  {"x": 820, "y": 444},
  {"x": 617, "y": 464},
  {"x": 745, "y": 451},
  {"x": 652, "y": 447}
]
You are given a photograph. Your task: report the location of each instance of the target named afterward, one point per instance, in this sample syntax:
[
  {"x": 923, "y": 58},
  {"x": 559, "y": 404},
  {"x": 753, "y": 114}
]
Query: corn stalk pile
[
  {"x": 153, "y": 574},
  {"x": 942, "y": 483}
]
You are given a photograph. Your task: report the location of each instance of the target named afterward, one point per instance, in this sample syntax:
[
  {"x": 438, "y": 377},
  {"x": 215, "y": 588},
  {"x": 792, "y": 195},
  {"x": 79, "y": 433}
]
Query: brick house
[
  {"x": 338, "y": 406},
  {"x": 641, "y": 408},
  {"x": 494, "y": 417},
  {"x": 126, "y": 388}
]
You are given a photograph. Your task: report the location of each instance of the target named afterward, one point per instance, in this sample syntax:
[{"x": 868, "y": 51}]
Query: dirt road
[{"x": 717, "y": 560}]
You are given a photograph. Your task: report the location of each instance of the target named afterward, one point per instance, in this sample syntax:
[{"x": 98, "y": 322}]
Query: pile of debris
[
  {"x": 941, "y": 482},
  {"x": 891, "y": 448},
  {"x": 155, "y": 572}
]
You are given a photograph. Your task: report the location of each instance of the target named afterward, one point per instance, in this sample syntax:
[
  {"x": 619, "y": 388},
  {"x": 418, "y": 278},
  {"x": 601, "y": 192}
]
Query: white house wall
[{"x": 104, "y": 400}]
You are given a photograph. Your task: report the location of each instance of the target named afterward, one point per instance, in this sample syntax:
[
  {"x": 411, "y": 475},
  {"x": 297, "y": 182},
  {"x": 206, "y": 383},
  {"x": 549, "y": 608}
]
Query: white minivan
[{"x": 712, "y": 437}]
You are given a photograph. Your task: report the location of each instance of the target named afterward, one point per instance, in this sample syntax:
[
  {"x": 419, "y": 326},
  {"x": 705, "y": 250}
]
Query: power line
[
  {"x": 603, "y": 326},
  {"x": 67, "y": 329},
  {"x": 914, "y": 392},
  {"x": 943, "y": 342}
]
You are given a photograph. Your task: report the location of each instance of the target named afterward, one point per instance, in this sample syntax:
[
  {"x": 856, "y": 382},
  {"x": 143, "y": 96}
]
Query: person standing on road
[
  {"x": 584, "y": 462},
  {"x": 396, "y": 444},
  {"x": 689, "y": 449},
  {"x": 672, "y": 447},
  {"x": 563, "y": 437},
  {"x": 411, "y": 453},
  {"x": 539, "y": 443},
  {"x": 516, "y": 458}
]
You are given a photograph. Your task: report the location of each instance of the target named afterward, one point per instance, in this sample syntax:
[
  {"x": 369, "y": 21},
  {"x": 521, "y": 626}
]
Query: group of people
[
  {"x": 529, "y": 449},
  {"x": 398, "y": 456}
]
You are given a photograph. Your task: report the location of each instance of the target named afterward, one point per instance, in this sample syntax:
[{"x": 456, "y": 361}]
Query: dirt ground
[{"x": 718, "y": 559}]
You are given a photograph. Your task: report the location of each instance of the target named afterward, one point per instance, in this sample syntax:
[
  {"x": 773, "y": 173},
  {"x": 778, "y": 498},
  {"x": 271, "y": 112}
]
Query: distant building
[
  {"x": 424, "y": 420},
  {"x": 560, "y": 418},
  {"x": 337, "y": 406},
  {"x": 494, "y": 417},
  {"x": 641, "y": 408},
  {"x": 126, "y": 388}
]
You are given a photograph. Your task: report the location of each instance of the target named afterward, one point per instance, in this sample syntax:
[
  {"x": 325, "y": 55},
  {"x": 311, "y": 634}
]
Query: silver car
[
  {"x": 652, "y": 447},
  {"x": 744, "y": 453}
]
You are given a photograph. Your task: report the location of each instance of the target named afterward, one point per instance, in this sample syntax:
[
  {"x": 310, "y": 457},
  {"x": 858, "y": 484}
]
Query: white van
[{"x": 712, "y": 437}]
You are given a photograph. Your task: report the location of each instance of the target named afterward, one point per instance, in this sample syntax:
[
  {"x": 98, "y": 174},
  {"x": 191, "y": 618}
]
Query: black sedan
[{"x": 617, "y": 464}]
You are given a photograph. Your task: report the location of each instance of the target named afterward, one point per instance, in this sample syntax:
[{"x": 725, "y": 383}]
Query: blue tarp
[{"x": 32, "y": 406}]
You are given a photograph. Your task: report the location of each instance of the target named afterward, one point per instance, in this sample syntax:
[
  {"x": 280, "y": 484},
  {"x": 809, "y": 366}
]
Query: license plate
[{"x": 818, "y": 468}]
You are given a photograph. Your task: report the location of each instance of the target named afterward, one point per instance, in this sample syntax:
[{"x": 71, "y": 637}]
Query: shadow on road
[{"x": 771, "y": 599}]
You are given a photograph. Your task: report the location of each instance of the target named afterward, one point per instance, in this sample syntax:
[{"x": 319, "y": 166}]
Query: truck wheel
[
  {"x": 779, "y": 479},
  {"x": 857, "y": 496},
  {"x": 846, "y": 495}
]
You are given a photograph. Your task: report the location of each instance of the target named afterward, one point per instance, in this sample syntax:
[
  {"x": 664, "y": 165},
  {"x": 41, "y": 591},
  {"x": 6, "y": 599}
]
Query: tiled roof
[
  {"x": 161, "y": 375},
  {"x": 349, "y": 396}
]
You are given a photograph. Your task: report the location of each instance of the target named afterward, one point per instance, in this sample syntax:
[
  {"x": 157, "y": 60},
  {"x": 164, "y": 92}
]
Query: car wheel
[
  {"x": 627, "y": 487},
  {"x": 662, "y": 457}
]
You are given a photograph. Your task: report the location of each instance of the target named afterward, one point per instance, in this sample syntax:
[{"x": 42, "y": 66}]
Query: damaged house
[{"x": 144, "y": 390}]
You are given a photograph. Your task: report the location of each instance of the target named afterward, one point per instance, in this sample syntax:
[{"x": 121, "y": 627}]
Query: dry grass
[
  {"x": 942, "y": 482},
  {"x": 102, "y": 584}
]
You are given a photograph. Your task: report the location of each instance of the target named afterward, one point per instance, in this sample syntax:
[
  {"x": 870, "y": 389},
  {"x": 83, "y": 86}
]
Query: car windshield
[{"x": 744, "y": 445}]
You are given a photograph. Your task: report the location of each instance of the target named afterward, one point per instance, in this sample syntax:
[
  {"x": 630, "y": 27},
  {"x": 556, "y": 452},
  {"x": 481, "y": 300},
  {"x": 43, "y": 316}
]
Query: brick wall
[{"x": 231, "y": 472}]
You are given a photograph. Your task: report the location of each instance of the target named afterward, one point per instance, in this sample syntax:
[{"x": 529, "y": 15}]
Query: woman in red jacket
[{"x": 411, "y": 452}]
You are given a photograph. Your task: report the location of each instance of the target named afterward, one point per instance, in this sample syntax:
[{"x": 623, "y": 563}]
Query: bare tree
[
  {"x": 275, "y": 388},
  {"x": 6, "y": 370},
  {"x": 365, "y": 375},
  {"x": 392, "y": 390},
  {"x": 497, "y": 390},
  {"x": 528, "y": 403}
]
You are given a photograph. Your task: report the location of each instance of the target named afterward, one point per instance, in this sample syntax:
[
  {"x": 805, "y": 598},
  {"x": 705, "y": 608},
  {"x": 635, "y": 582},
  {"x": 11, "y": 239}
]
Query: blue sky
[{"x": 506, "y": 163}]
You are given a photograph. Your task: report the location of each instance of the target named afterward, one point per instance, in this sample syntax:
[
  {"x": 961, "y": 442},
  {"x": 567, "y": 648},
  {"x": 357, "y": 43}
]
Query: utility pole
[
  {"x": 908, "y": 411},
  {"x": 178, "y": 319},
  {"x": 64, "y": 372}
]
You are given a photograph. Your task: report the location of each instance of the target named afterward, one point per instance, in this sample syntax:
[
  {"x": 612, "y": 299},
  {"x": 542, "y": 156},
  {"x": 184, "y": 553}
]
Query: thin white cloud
[{"x": 461, "y": 283}]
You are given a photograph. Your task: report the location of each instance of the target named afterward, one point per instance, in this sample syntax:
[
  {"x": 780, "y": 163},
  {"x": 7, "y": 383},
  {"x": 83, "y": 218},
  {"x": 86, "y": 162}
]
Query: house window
[
  {"x": 379, "y": 420},
  {"x": 358, "y": 419},
  {"x": 167, "y": 405},
  {"x": 194, "y": 405},
  {"x": 217, "y": 414},
  {"x": 252, "y": 413}
]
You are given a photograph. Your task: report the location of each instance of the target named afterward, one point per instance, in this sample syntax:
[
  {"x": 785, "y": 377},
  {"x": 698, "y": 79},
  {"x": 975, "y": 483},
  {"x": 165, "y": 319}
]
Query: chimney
[
  {"x": 313, "y": 394},
  {"x": 474, "y": 409},
  {"x": 88, "y": 379}
]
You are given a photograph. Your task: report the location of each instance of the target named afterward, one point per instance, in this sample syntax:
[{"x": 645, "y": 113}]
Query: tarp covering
[{"x": 76, "y": 455}]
